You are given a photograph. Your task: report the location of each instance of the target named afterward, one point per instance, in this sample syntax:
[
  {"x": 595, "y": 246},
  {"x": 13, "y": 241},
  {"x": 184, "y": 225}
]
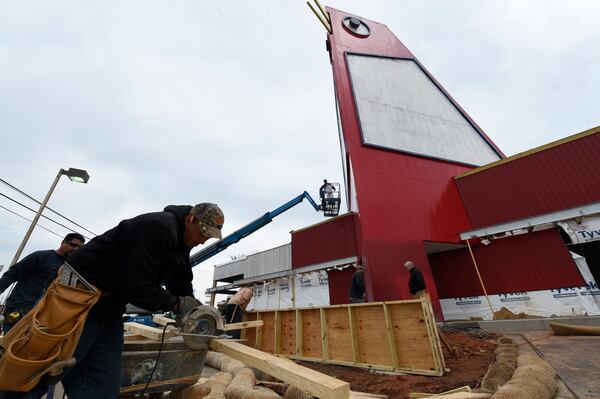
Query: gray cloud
[{"x": 232, "y": 102}]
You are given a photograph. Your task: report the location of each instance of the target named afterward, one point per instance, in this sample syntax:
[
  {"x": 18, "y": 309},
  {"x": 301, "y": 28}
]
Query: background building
[{"x": 421, "y": 178}]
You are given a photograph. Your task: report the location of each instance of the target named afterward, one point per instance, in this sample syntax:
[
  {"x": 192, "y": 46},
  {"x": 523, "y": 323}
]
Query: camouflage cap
[{"x": 210, "y": 218}]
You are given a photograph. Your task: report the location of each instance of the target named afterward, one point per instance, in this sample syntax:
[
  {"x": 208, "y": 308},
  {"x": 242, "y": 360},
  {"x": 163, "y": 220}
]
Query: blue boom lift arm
[{"x": 248, "y": 229}]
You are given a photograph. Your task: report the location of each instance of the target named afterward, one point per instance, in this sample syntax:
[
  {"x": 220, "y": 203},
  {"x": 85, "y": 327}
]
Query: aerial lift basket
[{"x": 47, "y": 336}]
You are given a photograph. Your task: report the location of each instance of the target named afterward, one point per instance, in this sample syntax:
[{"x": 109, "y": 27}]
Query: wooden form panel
[
  {"x": 338, "y": 338},
  {"x": 394, "y": 336},
  {"x": 288, "y": 332},
  {"x": 267, "y": 338},
  {"x": 311, "y": 333}
]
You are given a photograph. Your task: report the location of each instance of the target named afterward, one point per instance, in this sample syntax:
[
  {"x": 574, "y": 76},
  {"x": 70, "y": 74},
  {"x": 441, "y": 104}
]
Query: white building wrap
[{"x": 310, "y": 289}]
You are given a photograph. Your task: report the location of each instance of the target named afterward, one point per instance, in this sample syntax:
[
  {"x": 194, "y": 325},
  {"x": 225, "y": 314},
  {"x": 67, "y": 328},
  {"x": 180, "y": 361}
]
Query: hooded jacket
[{"x": 131, "y": 261}]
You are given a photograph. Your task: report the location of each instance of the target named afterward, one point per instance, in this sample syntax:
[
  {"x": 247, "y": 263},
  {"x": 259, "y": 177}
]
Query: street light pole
[{"x": 76, "y": 175}]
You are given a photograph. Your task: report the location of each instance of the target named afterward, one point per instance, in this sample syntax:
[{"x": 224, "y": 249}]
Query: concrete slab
[
  {"x": 574, "y": 358},
  {"x": 521, "y": 325}
]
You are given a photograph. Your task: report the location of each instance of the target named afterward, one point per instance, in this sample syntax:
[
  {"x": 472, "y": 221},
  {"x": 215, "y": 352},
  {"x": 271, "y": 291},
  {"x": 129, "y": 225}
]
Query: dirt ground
[{"x": 476, "y": 352}]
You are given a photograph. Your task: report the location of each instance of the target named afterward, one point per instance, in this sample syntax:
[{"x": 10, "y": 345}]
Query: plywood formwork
[{"x": 393, "y": 336}]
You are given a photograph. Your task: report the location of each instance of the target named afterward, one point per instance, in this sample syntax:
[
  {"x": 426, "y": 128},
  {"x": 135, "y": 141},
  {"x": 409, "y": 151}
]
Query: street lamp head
[{"x": 77, "y": 175}]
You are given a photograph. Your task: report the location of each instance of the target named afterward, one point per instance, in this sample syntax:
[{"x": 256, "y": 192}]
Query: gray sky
[{"x": 232, "y": 102}]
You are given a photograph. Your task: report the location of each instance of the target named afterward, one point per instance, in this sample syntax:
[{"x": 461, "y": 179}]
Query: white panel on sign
[{"x": 400, "y": 108}]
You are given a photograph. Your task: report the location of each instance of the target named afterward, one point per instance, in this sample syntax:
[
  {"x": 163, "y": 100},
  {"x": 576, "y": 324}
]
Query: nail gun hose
[{"x": 162, "y": 340}]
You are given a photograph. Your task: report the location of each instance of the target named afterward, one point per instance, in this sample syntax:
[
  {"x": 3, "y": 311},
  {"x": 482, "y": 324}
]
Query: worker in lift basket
[{"x": 129, "y": 263}]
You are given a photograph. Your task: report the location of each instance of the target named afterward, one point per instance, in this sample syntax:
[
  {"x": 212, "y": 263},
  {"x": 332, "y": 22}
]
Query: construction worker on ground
[
  {"x": 357, "y": 285},
  {"x": 234, "y": 310},
  {"x": 32, "y": 275},
  {"x": 128, "y": 264},
  {"x": 416, "y": 282}
]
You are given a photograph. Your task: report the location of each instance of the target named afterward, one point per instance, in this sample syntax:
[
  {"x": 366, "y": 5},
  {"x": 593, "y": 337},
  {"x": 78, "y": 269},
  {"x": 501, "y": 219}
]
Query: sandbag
[
  {"x": 47, "y": 334},
  {"x": 503, "y": 367}
]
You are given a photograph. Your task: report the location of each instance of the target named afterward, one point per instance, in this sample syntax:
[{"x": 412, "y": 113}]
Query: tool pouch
[{"x": 47, "y": 334}]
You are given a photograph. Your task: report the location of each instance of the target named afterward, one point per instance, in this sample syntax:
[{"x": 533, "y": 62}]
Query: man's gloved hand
[{"x": 186, "y": 303}]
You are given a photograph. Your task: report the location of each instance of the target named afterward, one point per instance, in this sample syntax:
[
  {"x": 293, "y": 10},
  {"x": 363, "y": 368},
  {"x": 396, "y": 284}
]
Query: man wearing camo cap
[{"x": 130, "y": 263}]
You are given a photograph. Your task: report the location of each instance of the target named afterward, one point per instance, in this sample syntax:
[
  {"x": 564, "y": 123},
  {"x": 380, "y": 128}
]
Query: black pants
[{"x": 233, "y": 314}]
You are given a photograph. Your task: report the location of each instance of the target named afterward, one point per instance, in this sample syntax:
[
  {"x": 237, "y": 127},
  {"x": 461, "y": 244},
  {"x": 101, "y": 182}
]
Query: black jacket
[
  {"x": 416, "y": 282},
  {"x": 357, "y": 286},
  {"x": 130, "y": 262},
  {"x": 32, "y": 275}
]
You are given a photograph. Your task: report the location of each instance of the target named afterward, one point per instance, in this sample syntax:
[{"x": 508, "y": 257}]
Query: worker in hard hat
[{"x": 129, "y": 264}]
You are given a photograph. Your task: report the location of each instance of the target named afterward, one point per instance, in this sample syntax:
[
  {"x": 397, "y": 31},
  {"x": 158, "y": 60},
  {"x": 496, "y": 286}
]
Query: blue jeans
[{"x": 97, "y": 374}]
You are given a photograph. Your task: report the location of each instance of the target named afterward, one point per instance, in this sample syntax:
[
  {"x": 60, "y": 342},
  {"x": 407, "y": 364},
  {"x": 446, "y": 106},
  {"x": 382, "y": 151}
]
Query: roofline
[
  {"x": 323, "y": 222},
  {"x": 229, "y": 262},
  {"x": 532, "y": 221},
  {"x": 544, "y": 147},
  {"x": 284, "y": 273}
]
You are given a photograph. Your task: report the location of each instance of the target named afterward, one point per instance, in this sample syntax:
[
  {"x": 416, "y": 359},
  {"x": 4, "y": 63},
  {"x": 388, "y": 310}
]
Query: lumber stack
[{"x": 391, "y": 336}]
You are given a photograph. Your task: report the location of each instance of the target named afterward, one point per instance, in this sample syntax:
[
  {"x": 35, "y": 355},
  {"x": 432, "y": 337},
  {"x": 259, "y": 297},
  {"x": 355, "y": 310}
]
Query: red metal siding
[
  {"x": 403, "y": 199},
  {"x": 556, "y": 178},
  {"x": 333, "y": 239},
  {"x": 339, "y": 285},
  {"x": 528, "y": 262}
]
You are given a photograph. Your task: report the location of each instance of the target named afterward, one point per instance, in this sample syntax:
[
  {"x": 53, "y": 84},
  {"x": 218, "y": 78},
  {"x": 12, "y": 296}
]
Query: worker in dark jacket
[
  {"x": 129, "y": 263},
  {"x": 32, "y": 275},
  {"x": 416, "y": 283},
  {"x": 357, "y": 285}
]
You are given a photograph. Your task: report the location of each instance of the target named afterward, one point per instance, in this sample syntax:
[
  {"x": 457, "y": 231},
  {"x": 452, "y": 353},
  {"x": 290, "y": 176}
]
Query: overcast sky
[{"x": 180, "y": 102}]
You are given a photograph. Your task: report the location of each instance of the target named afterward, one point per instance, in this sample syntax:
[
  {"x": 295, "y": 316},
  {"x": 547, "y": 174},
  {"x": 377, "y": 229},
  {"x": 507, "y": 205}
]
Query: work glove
[{"x": 186, "y": 303}]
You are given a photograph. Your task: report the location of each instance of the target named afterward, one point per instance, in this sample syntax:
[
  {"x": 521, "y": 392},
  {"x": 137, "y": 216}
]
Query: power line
[
  {"x": 29, "y": 220},
  {"x": 47, "y": 207},
  {"x": 34, "y": 211}
]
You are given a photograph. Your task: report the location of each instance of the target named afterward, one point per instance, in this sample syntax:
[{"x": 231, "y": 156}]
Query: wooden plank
[
  {"x": 311, "y": 333},
  {"x": 338, "y": 330},
  {"x": 365, "y": 395},
  {"x": 242, "y": 325},
  {"x": 311, "y": 381},
  {"x": 134, "y": 337},
  {"x": 161, "y": 386},
  {"x": 162, "y": 320},
  {"x": 418, "y": 395},
  {"x": 299, "y": 332},
  {"x": 249, "y": 334},
  {"x": 462, "y": 395},
  {"x": 147, "y": 331},
  {"x": 277, "y": 335},
  {"x": 324, "y": 335},
  {"x": 259, "y": 338},
  {"x": 434, "y": 339},
  {"x": 390, "y": 336},
  {"x": 353, "y": 335}
]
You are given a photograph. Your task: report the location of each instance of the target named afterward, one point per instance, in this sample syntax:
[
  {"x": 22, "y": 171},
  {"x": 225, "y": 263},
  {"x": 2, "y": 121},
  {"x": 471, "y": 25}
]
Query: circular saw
[{"x": 200, "y": 325}]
